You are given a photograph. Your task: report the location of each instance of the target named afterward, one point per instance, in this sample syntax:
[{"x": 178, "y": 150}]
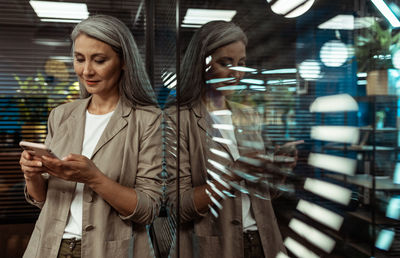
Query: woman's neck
[
  {"x": 215, "y": 101},
  {"x": 102, "y": 105}
]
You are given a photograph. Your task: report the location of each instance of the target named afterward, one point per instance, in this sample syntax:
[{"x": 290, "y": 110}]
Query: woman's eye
[
  {"x": 100, "y": 61},
  {"x": 225, "y": 64},
  {"x": 79, "y": 60}
]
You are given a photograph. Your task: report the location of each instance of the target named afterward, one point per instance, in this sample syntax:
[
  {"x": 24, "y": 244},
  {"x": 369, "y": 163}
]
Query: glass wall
[{"x": 280, "y": 125}]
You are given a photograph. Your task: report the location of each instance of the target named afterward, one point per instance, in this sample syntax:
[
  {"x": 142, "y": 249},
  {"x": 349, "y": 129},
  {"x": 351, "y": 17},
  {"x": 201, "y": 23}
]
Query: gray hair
[
  {"x": 134, "y": 85},
  {"x": 205, "y": 41}
]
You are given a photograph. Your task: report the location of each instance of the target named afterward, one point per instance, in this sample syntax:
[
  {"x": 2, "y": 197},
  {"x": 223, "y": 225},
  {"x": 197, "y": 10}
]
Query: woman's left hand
[{"x": 73, "y": 167}]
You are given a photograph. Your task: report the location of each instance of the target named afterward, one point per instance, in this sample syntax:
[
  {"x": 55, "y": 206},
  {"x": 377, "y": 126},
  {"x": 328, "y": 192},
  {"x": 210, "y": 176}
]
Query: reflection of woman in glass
[
  {"x": 106, "y": 182},
  {"x": 218, "y": 220}
]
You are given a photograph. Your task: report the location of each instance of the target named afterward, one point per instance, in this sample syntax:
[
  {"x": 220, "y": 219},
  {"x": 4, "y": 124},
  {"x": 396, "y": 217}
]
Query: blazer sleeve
[
  {"x": 49, "y": 136},
  {"x": 148, "y": 183}
]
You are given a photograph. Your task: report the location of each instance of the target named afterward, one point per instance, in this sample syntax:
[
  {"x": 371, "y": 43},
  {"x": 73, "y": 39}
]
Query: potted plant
[{"x": 374, "y": 48}]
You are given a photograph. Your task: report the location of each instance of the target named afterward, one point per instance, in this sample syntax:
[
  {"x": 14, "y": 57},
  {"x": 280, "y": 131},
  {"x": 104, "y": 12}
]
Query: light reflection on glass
[
  {"x": 223, "y": 126},
  {"x": 216, "y": 190},
  {"x": 243, "y": 69},
  {"x": 233, "y": 87},
  {"x": 222, "y": 140},
  {"x": 312, "y": 235},
  {"x": 223, "y": 112},
  {"x": 258, "y": 88},
  {"x": 281, "y": 255},
  {"x": 396, "y": 59},
  {"x": 385, "y": 239},
  {"x": 218, "y": 178},
  {"x": 333, "y": 163},
  {"x": 252, "y": 81},
  {"x": 220, "y": 167},
  {"x": 298, "y": 249},
  {"x": 218, "y": 80},
  {"x": 320, "y": 214},
  {"x": 280, "y": 71},
  {"x": 393, "y": 208},
  {"x": 334, "y": 103},
  {"x": 329, "y": 191},
  {"x": 222, "y": 154},
  {"x": 282, "y": 82},
  {"x": 396, "y": 174},
  {"x": 343, "y": 134}
]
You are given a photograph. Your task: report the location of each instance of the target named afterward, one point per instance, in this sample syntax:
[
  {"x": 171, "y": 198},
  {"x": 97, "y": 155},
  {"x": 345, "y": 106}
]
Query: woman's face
[
  {"x": 220, "y": 67},
  {"x": 97, "y": 65}
]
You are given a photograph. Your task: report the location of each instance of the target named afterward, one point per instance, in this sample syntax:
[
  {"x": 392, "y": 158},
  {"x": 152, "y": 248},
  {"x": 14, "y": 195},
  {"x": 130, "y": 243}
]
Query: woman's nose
[
  {"x": 88, "y": 69},
  {"x": 236, "y": 74}
]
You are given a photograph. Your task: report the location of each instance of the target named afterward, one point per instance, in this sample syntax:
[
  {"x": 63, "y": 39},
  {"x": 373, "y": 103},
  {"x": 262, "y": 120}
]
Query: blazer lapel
[
  {"x": 76, "y": 128},
  {"x": 115, "y": 125}
]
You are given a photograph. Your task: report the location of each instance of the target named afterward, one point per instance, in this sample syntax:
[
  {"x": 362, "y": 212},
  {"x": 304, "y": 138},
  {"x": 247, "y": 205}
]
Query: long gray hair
[
  {"x": 134, "y": 85},
  {"x": 205, "y": 41}
]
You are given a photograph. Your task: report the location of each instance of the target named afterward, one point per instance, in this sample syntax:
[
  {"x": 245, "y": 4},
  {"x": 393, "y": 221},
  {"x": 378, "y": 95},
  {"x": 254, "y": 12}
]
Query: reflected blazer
[
  {"x": 128, "y": 152},
  {"x": 203, "y": 235}
]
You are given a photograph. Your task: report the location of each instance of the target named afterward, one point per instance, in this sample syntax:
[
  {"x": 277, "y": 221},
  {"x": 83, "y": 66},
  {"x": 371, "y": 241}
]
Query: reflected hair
[
  {"x": 134, "y": 85},
  {"x": 205, "y": 41}
]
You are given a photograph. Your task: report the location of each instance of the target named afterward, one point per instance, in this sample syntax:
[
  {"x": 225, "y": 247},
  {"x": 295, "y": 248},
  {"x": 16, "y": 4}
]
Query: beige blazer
[
  {"x": 128, "y": 152},
  {"x": 203, "y": 235}
]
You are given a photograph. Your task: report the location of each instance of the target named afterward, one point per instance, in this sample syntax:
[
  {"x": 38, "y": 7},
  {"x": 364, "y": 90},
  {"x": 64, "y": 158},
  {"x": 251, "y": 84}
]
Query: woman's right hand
[{"x": 30, "y": 166}]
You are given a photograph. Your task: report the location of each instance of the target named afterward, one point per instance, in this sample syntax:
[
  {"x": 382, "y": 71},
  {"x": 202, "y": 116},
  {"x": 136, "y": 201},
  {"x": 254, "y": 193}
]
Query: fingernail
[{"x": 39, "y": 164}]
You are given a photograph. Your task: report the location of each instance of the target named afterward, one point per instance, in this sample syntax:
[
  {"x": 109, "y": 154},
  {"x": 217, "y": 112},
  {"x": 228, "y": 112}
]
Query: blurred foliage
[{"x": 374, "y": 48}]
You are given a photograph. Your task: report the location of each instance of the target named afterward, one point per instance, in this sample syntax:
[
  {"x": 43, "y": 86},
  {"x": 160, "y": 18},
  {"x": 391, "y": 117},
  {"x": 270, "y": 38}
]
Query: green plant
[{"x": 374, "y": 48}]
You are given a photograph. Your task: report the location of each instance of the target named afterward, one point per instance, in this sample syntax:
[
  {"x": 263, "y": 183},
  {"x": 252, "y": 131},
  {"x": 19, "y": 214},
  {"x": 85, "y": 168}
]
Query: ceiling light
[
  {"x": 339, "y": 22},
  {"x": 291, "y": 8},
  {"x": 310, "y": 70},
  {"x": 334, "y": 103},
  {"x": 61, "y": 20},
  {"x": 191, "y": 25},
  {"x": 201, "y": 16},
  {"x": 334, "y": 53},
  {"x": 52, "y": 43},
  {"x": 60, "y": 10},
  {"x": 346, "y": 22},
  {"x": 385, "y": 10}
]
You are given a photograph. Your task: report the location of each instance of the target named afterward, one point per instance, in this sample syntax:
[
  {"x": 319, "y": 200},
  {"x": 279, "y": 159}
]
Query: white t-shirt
[
  {"x": 224, "y": 117},
  {"x": 94, "y": 127}
]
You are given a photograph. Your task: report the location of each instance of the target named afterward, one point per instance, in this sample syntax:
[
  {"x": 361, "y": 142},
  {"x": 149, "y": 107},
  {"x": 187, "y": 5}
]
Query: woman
[
  {"x": 225, "y": 206},
  {"x": 105, "y": 186}
]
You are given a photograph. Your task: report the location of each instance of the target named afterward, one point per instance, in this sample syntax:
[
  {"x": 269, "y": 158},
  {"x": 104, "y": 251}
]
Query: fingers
[{"x": 74, "y": 157}]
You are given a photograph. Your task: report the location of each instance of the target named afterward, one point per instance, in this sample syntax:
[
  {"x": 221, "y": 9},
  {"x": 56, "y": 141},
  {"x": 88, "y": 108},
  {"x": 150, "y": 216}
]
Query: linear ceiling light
[
  {"x": 387, "y": 12},
  {"x": 60, "y": 11},
  {"x": 197, "y": 17},
  {"x": 339, "y": 22},
  {"x": 346, "y": 22}
]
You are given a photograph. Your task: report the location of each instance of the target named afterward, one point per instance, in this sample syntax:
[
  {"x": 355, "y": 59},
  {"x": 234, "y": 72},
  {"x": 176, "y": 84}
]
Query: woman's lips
[{"x": 92, "y": 82}]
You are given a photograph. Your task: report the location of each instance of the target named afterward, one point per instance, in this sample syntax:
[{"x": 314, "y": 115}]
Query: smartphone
[{"x": 37, "y": 149}]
